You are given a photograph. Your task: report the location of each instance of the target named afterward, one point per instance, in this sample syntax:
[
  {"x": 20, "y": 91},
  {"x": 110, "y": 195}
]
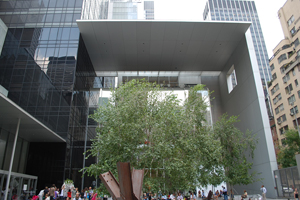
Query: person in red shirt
[{"x": 69, "y": 195}]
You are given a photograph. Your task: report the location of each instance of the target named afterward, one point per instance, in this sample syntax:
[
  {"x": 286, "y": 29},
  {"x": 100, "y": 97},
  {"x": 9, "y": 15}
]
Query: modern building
[
  {"x": 118, "y": 9},
  {"x": 46, "y": 72},
  {"x": 284, "y": 87},
  {"x": 58, "y": 54},
  {"x": 243, "y": 10}
]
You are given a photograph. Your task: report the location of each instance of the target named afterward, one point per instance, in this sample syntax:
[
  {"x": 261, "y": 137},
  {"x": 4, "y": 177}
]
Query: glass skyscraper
[
  {"x": 238, "y": 10},
  {"x": 46, "y": 70},
  {"x": 117, "y": 9}
]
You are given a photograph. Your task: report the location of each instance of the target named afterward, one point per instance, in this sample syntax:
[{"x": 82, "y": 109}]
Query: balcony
[{"x": 292, "y": 64}]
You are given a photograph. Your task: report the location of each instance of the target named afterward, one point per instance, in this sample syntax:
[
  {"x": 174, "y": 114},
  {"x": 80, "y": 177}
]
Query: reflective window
[
  {"x": 296, "y": 42},
  {"x": 291, "y": 20},
  {"x": 53, "y": 34},
  {"x": 281, "y": 58},
  {"x": 3, "y": 141},
  {"x": 291, "y": 99},
  {"x": 65, "y": 33}
]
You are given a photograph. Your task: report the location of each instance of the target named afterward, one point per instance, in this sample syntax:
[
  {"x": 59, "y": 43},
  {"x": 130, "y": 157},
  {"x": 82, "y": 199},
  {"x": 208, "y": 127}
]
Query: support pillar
[
  {"x": 85, "y": 139},
  {"x": 12, "y": 159}
]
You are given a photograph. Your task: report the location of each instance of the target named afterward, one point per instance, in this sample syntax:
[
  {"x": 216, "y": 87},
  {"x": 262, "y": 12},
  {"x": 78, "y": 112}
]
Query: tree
[
  {"x": 236, "y": 147},
  {"x": 154, "y": 130},
  {"x": 290, "y": 147}
]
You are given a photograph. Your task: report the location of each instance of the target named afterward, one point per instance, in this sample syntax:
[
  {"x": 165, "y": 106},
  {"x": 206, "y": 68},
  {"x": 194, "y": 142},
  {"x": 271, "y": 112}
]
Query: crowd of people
[
  {"x": 202, "y": 195},
  {"x": 72, "y": 193},
  {"x": 187, "y": 196},
  {"x": 55, "y": 193}
]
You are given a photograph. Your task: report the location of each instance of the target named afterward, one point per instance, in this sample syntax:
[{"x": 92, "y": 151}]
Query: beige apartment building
[{"x": 284, "y": 88}]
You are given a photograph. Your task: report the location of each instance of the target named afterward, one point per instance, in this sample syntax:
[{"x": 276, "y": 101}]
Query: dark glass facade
[{"x": 46, "y": 69}]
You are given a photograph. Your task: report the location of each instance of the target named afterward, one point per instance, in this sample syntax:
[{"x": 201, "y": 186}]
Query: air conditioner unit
[
  {"x": 284, "y": 81},
  {"x": 292, "y": 114},
  {"x": 278, "y": 123}
]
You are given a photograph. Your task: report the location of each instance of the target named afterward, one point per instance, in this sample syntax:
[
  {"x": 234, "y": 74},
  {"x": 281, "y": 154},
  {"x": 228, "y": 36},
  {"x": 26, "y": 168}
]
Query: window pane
[
  {"x": 74, "y": 34},
  {"x": 23, "y": 157},
  {"x": 3, "y": 140},
  {"x": 65, "y": 33},
  {"x": 53, "y": 34},
  {"x": 17, "y": 155},
  {"x": 8, "y": 152}
]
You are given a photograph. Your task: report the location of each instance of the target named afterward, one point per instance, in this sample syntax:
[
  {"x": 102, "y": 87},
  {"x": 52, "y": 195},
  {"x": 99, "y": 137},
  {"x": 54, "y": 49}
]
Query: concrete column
[
  {"x": 298, "y": 163},
  {"x": 12, "y": 158}
]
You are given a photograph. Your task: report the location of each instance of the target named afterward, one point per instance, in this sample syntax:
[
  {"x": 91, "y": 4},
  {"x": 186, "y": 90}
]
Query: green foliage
[
  {"x": 291, "y": 147},
  {"x": 68, "y": 181},
  {"x": 234, "y": 145},
  {"x": 154, "y": 130}
]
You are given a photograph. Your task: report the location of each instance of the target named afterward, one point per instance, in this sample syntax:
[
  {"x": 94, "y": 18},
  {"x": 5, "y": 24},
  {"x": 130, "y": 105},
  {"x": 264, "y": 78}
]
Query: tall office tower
[
  {"x": 239, "y": 10},
  {"x": 285, "y": 67},
  {"x": 46, "y": 71},
  {"x": 118, "y": 9}
]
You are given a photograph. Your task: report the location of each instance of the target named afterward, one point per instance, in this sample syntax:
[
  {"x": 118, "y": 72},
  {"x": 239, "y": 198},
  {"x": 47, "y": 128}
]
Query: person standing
[
  {"x": 61, "y": 195},
  {"x": 225, "y": 193},
  {"x": 296, "y": 194},
  {"x": 203, "y": 194},
  {"x": 264, "y": 191},
  {"x": 52, "y": 192},
  {"x": 41, "y": 195},
  {"x": 231, "y": 194},
  {"x": 77, "y": 196},
  {"x": 90, "y": 193},
  {"x": 46, "y": 191}
]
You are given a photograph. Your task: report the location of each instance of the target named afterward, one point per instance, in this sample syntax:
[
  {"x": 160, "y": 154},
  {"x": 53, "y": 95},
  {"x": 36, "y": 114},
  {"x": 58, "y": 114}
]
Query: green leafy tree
[
  {"x": 291, "y": 147},
  {"x": 236, "y": 147},
  {"x": 155, "y": 130}
]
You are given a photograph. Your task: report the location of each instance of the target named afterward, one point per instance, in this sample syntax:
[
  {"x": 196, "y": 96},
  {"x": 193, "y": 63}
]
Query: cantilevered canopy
[
  {"x": 160, "y": 45},
  {"x": 30, "y": 129}
]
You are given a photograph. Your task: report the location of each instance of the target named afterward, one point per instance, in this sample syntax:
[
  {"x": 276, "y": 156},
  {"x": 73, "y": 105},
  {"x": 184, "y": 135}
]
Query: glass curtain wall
[
  {"x": 117, "y": 9},
  {"x": 44, "y": 66}
]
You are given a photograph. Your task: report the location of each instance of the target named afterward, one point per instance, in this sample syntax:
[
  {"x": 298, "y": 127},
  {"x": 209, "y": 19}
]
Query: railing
[
  {"x": 277, "y": 52},
  {"x": 288, "y": 67},
  {"x": 286, "y": 181}
]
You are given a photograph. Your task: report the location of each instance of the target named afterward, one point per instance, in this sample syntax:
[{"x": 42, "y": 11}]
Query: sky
[{"x": 193, "y": 10}]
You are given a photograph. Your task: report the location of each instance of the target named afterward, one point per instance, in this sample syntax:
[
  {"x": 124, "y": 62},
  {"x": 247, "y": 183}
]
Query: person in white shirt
[
  {"x": 264, "y": 191},
  {"x": 192, "y": 196},
  {"x": 41, "y": 194},
  {"x": 179, "y": 196},
  {"x": 61, "y": 195},
  {"x": 172, "y": 197}
]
